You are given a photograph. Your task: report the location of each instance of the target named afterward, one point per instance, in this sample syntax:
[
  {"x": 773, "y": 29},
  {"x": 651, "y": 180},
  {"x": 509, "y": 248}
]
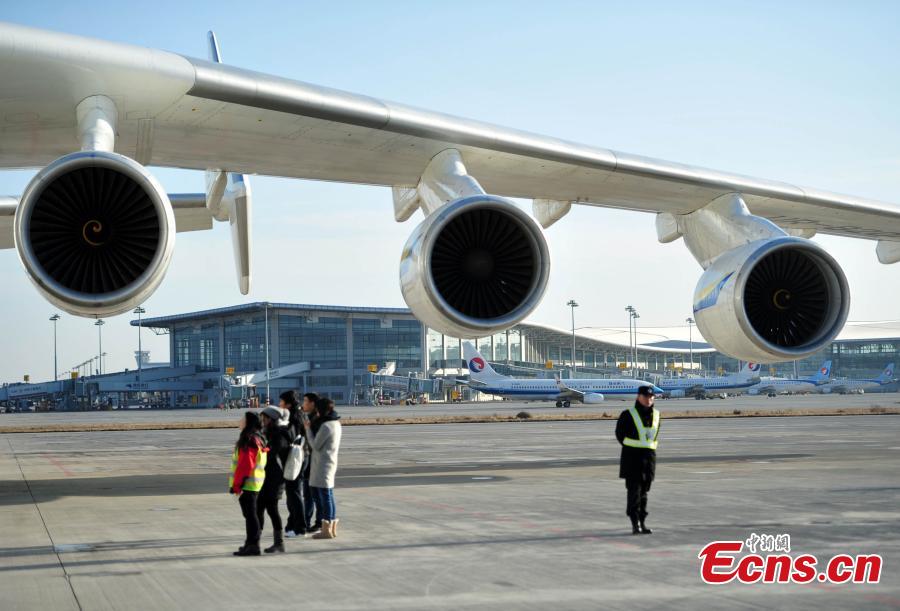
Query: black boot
[
  {"x": 248, "y": 549},
  {"x": 635, "y": 528},
  {"x": 644, "y": 529},
  {"x": 278, "y": 545}
]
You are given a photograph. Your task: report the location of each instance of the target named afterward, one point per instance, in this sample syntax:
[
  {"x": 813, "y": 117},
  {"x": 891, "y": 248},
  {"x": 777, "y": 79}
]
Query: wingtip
[{"x": 213, "y": 47}]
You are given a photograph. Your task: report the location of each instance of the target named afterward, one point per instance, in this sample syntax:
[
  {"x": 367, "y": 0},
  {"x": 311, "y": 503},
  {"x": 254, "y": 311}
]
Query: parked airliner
[
  {"x": 772, "y": 386},
  {"x": 860, "y": 386},
  {"x": 734, "y": 383},
  {"x": 483, "y": 378}
]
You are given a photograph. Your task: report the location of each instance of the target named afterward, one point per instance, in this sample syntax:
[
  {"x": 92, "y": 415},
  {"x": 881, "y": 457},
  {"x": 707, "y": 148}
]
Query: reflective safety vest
[
  {"x": 254, "y": 482},
  {"x": 646, "y": 436}
]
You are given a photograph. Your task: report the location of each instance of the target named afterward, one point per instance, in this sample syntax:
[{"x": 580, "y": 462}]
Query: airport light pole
[
  {"x": 630, "y": 310},
  {"x": 690, "y": 322},
  {"x": 572, "y": 304},
  {"x": 635, "y": 316},
  {"x": 99, "y": 324},
  {"x": 53, "y": 319},
  {"x": 140, "y": 310}
]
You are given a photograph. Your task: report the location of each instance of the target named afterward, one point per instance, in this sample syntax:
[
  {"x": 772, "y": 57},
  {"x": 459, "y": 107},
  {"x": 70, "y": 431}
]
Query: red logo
[{"x": 720, "y": 563}]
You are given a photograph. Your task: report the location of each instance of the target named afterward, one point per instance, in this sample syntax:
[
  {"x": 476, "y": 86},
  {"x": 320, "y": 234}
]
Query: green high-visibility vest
[
  {"x": 253, "y": 483},
  {"x": 646, "y": 435}
]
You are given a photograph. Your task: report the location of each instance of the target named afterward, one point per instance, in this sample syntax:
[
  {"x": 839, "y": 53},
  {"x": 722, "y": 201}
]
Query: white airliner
[
  {"x": 95, "y": 230},
  {"x": 771, "y": 386},
  {"x": 732, "y": 384},
  {"x": 483, "y": 378},
  {"x": 860, "y": 386}
]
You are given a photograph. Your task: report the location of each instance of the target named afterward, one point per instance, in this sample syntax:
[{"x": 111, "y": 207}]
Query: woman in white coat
[{"x": 324, "y": 436}]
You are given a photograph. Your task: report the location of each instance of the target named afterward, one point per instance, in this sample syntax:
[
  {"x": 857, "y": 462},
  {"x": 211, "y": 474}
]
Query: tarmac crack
[{"x": 44, "y": 524}]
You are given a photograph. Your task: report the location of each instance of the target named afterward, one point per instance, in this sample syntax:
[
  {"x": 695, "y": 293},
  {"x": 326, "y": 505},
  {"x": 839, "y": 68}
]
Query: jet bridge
[{"x": 407, "y": 385}]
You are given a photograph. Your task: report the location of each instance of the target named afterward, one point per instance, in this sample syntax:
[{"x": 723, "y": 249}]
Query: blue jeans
[
  {"x": 309, "y": 503},
  {"x": 324, "y": 499}
]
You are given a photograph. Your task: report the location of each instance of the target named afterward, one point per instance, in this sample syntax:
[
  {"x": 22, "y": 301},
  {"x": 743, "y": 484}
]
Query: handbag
[{"x": 294, "y": 461}]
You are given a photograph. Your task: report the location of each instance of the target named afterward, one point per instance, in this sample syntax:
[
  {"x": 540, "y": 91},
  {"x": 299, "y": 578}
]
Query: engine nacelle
[
  {"x": 95, "y": 232},
  {"x": 475, "y": 266},
  {"x": 593, "y": 398},
  {"x": 772, "y": 300},
  {"x": 677, "y": 394}
]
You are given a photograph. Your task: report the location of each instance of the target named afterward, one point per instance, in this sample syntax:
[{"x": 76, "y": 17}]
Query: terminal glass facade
[
  {"x": 379, "y": 341},
  {"x": 196, "y": 345},
  {"x": 322, "y": 341},
  {"x": 245, "y": 344},
  {"x": 436, "y": 356},
  {"x": 854, "y": 359}
]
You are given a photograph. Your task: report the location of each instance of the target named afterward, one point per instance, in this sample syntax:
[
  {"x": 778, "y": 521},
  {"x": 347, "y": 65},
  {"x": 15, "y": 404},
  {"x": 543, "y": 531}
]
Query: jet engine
[
  {"x": 592, "y": 398},
  {"x": 474, "y": 267},
  {"x": 772, "y": 300},
  {"x": 95, "y": 232}
]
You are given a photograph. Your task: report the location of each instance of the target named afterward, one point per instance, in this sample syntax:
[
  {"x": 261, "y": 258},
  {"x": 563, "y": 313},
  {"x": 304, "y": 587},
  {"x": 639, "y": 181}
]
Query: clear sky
[{"x": 806, "y": 92}]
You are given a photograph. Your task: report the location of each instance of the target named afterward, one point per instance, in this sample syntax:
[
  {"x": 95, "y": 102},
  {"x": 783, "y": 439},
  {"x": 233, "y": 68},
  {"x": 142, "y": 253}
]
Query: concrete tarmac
[{"x": 523, "y": 515}]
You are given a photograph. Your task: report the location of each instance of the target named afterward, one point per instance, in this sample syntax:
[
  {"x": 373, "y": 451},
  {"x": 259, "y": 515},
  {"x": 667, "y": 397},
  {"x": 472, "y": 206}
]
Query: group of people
[{"x": 271, "y": 442}]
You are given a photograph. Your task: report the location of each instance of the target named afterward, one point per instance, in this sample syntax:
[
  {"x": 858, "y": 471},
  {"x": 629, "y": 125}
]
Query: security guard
[{"x": 637, "y": 430}]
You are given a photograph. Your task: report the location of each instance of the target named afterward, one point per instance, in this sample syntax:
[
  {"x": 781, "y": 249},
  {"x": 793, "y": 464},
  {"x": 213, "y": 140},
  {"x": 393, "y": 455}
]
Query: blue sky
[{"x": 805, "y": 92}]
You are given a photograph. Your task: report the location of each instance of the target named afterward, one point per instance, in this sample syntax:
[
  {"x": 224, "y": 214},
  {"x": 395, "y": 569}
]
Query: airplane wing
[
  {"x": 693, "y": 390},
  {"x": 191, "y": 214},
  {"x": 178, "y": 111},
  {"x": 476, "y": 384},
  {"x": 565, "y": 392}
]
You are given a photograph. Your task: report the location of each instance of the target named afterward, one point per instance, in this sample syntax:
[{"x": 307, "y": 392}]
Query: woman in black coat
[{"x": 278, "y": 439}]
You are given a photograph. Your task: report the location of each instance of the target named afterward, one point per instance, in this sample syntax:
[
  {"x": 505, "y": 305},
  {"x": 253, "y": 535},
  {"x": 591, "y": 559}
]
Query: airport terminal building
[{"x": 339, "y": 346}]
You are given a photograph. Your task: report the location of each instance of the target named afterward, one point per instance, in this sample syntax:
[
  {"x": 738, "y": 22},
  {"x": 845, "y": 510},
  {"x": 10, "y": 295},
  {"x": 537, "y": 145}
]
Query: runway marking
[
  {"x": 704, "y": 472},
  {"x": 59, "y": 465}
]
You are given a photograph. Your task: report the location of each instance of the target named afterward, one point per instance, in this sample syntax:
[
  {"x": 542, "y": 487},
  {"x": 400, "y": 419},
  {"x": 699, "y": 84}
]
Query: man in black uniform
[{"x": 637, "y": 430}]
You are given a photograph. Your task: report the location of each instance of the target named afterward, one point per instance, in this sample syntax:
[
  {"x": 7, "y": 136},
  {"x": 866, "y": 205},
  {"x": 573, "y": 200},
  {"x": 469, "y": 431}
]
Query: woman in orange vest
[{"x": 248, "y": 470}]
